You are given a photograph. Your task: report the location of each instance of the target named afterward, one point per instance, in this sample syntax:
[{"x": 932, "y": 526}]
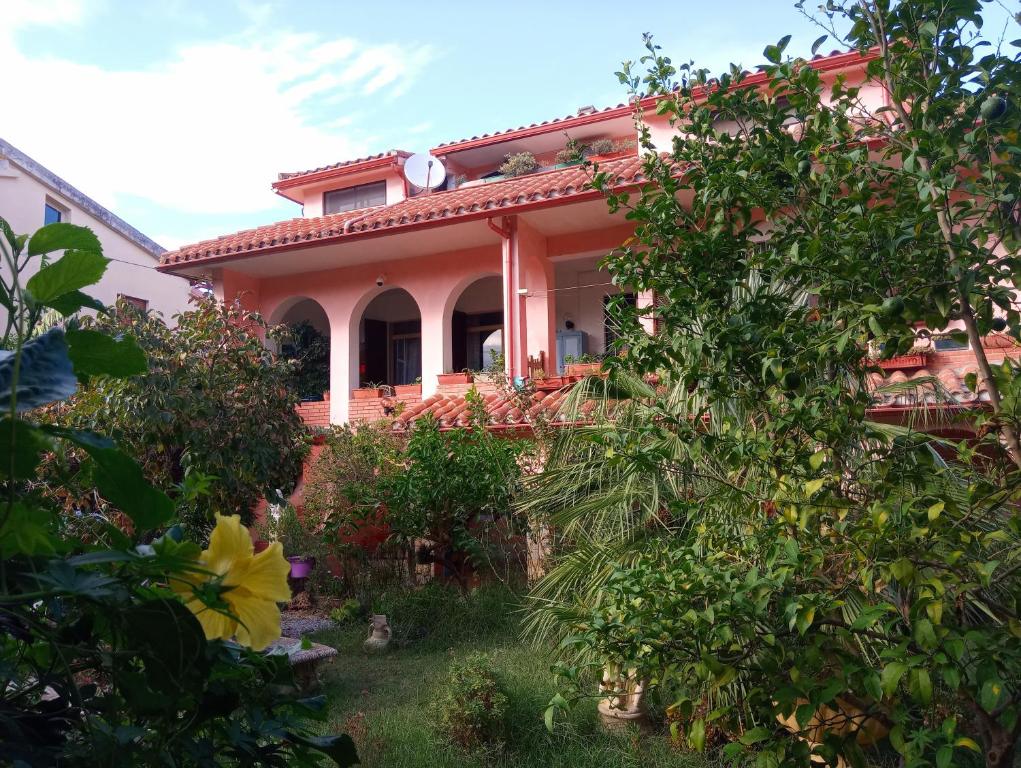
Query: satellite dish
[{"x": 424, "y": 171}]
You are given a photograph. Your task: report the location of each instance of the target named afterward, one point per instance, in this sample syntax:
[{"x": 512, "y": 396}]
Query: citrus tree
[
  {"x": 825, "y": 582},
  {"x": 114, "y": 651}
]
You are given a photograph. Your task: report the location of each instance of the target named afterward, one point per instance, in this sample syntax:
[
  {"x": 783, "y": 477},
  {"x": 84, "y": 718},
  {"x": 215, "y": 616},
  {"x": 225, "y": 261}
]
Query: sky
[{"x": 178, "y": 114}]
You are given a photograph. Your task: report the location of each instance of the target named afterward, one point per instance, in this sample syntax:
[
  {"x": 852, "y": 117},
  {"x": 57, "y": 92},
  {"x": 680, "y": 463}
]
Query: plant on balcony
[
  {"x": 573, "y": 152},
  {"x": 602, "y": 147},
  {"x": 519, "y": 164}
]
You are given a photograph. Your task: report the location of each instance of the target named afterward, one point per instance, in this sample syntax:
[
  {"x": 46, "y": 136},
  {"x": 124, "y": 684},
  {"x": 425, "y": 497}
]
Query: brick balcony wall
[{"x": 315, "y": 413}]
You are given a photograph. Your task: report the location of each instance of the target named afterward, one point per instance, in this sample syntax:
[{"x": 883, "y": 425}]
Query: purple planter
[{"x": 301, "y": 566}]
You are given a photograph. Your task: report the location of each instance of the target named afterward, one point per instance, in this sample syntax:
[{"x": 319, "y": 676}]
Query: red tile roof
[
  {"x": 344, "y": 164},
  {"x": 455, "y": 205},
  {"x": 451, "y": 411},
  {"x": 585, "y": 115}
]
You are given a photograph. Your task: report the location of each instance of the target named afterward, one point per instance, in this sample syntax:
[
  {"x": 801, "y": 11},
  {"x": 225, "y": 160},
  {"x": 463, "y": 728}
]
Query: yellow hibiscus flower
[{"x": 250, "y": 584}]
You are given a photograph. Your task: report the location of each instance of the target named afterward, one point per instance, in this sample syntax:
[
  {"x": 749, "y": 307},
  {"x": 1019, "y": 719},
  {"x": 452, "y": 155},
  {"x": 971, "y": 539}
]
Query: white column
[
  {"x": 343, "y": 367},
  {"x": 435, "y": 347}
]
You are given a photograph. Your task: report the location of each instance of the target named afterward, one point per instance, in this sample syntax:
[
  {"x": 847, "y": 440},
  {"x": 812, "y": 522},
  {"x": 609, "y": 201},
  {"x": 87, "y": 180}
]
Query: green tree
[
  {"x": 213, "y": 405},
  {"x": 818, "y": 562},
  {"x": 452, "y": 487}
]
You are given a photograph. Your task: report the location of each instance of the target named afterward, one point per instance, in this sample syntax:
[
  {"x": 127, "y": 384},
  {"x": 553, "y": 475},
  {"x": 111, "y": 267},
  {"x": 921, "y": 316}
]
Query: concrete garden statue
[{"x": 379, "y": 634}]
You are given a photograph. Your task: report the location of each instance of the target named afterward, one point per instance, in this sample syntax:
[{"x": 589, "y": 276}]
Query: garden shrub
[
  {"x": 115, "y": 641},
  {"x": 472, "y": 706},
  {"x": 455, "y": 489},
  {"x": 213, "y": 407}
]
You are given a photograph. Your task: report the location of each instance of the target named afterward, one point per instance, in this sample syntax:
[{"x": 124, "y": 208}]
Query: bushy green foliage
[
  {"x": 214, "y": 403},
  {"x": 803, "y": 556},
  {"x": 343, "y": 488},
  {"x": 453, "y": 486},
  {"x": 308, "y": 350},
  {"x": 472, "y": 705},
  {"x": 100, "y": 661}
]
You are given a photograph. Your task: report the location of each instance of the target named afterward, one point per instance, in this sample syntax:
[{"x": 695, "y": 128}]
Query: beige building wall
[{"x": 25, "y": 190}]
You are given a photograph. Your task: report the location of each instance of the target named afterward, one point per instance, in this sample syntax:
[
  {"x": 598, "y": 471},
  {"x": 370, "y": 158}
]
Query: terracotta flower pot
[
  {"x": 455, "y": 378},
  {"x": 367, "y": 393},
  {"x": 582, "y": 369},
  {"x": 408, "y": 390}
]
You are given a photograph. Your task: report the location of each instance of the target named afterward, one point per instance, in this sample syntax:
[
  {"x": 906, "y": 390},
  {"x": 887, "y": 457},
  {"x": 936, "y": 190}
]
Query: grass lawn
[{"x": 386, "y": 702}]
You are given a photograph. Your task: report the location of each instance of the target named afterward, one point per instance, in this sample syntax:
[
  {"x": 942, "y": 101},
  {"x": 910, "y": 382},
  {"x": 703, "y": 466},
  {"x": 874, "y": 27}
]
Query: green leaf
[
  {"x": 754, "y": 736},
  {"x": 812, "y": 486},
  {"x": 9, "y": 236},
  {"x": 925, "y": 636},
  {"x": 26, "y": 532},
  {"x": 28, "y": 446},
  {"x": 696, "y": 735},
  {"x": 991, "y": 695},
  {"x": 341, "y": 749},
  {"x": 121, "y": 482},
  {"x": 96, "y": 354},
  {"x": 61, "y": 236},
  {"x": 69, "y": 303},
  {"x": 920, "y": 685},
  {"x": 967, "y": 743},
  {"x": 818, "y": 44},
  {"x": 72, "y": 271},
  {"x": 45, "y": 374},
  {"x": 816, "y": 459},
  {"x": 890, "y": 678}
]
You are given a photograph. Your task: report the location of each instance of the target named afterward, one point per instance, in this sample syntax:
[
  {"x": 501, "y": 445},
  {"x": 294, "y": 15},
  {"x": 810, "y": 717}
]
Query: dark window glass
[
  {"x": 52, "y": 215},
  {"x": 948, "y": 343},
  {"x": 353, "y": 198}
]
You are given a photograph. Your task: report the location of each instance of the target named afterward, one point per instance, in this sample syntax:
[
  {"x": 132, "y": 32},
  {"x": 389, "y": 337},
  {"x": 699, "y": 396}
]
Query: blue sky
[{"x": 178, "y": 114}]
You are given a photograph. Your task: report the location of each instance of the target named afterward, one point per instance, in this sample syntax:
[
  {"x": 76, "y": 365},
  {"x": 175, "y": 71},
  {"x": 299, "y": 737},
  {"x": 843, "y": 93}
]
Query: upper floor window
[
  {"x": 353, "y": 198},
  {"x": 52, "y": 214},
  {"x": 142, "y": 305}
]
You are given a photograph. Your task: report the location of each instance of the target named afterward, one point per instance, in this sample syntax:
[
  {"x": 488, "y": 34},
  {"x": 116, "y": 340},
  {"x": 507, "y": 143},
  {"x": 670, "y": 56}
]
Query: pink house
[{"x": 410, "y": 284}]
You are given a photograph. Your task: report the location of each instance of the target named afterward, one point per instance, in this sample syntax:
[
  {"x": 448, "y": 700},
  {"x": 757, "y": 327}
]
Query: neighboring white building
[{"x": 31, "y": 195}]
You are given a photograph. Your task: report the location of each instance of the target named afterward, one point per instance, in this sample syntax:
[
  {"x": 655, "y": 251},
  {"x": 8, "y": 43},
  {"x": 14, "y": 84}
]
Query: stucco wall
[{"x": 131, "y": 270}]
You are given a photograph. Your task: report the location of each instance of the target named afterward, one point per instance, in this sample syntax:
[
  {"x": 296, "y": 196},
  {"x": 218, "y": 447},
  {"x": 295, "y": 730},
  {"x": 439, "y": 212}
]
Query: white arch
[
  {"x": 354, "y": 320},
  {"x": 453, "y": 296}
]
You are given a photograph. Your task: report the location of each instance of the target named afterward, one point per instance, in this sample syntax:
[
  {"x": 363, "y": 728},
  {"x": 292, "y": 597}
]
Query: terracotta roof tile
[
  {"x": 343, "y": 164},
  {"x": 584, "y": 112},
  {"x": 451, "y": 411},
  {"x": 451, "y": 205}
]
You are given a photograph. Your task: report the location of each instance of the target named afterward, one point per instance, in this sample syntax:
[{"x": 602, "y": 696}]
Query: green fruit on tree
[
  {"x": 999, "y": 324},
  {"x": 893, "y": 306},
  {"x": 993, "y": 107},
  {"x": 791, "y": 380}
]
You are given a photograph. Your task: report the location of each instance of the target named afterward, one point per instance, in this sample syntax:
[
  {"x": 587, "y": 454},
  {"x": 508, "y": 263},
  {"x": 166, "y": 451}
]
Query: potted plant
[
  {"x": 369, "y": 391},
  {"x": 406, "y": 390},
  {"x": 464, "y": 377},
  {"x": 583, "y": 365},
  {"x": 572, "y": 153},
  {"x": 519, "y": 164},
  {"x": 319, "y": 435}
]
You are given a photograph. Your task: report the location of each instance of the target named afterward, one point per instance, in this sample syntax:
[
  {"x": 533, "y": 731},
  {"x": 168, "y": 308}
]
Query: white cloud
[{"x": 204, "y": 131}]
